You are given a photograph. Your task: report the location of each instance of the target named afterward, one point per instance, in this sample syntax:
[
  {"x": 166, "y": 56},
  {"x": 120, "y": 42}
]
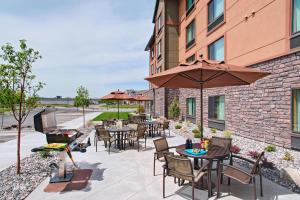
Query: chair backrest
[
  {"x": 166, "y": 124},
  {"x": 221, "y": 142},
  {"x": 255, "y": 168},
  {"x": 103, "y": 133},
  {"x": 133, "y": 126},
  {"x": 97, "y": 128},
  {"x": 179, "y": 166},
  {"x": 141, "y": 130},
  {"x": 161, "y": 145}
]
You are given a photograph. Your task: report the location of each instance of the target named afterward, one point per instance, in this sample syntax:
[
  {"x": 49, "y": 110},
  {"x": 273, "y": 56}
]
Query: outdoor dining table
[
  {"x": 214, "y": 152},
  {"x": 120, "y": 132}
]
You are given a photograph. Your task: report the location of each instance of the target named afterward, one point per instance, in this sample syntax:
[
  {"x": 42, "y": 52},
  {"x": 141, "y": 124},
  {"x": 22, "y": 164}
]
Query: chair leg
[
  {"x": 164, "y": 192},
  {"x": 254, "y": 188},
  {"x": 145, "y": 142},
  {"x": 261, "y": 186},
  {"x": 219, "y": 182},
  {"x": 96, "y": 146},
  {"x": 154, "y": 165},
  {"x": 193, "y": 190},
  {"x": 138, "y": 145},
  {"x": 109, "y": 144}
]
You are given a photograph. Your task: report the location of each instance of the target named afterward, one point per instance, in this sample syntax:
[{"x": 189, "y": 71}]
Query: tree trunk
[
  {"x": 83, "y": 117},
  {"x": 19, "y": 148},
  {"x": 2, "y": 118}
]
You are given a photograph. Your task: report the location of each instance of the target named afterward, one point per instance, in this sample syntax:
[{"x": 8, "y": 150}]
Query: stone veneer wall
[{"x": 262, "y": 110}]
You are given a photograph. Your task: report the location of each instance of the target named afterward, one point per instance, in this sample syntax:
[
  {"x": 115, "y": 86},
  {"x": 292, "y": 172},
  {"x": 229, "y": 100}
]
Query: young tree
[
  {"x": 174, "y": 109},
  {"x": 82, "y": 100},
  {"x": 18, "y": 88}
]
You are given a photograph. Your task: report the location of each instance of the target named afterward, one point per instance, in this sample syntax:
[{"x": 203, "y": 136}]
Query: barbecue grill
[{"x": 45, "y": 122}]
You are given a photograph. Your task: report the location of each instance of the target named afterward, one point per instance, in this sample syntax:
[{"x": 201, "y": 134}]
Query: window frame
[
  {"x": 293, "y": 13},
  {"x": 214, "y": 42},
  {"x": 189, "y": 10},
  {"x": 189, "y": 44},
  {"x": 159, "y": 23},
  {"x": 212, "y": 111},
  {"x": 152, "y": 53},
  {"x": 192, "y": 58},
  {"x": 194, "y": 108},
  {"x": 292, "y": 111},
  {"x": 158, "y": 49},
  {"x": 217, "y": 21}
]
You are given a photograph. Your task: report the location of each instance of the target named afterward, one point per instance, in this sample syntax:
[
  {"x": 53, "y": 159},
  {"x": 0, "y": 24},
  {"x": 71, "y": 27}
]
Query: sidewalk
[
  {"x": 128, "y": 175},
  {"x": 30, "y": 140}
]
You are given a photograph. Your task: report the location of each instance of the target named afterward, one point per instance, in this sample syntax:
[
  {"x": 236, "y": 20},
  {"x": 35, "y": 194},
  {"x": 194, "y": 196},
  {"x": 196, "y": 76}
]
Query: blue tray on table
[{"x": 190, "y": 151}]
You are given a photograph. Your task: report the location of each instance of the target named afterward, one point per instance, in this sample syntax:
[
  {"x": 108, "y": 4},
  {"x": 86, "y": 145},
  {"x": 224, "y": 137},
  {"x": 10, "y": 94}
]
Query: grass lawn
[
  {"x": 111, "y": 115},
  {"x": 121, "y": 106},
  {"x": 56, "y": 105},
  {"x": 5, "y": 110}
]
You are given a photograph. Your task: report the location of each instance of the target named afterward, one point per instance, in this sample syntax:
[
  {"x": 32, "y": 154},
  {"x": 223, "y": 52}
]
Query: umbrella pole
[
  {"x": 201, "y": 114},
  {"x": 118, "y": 109}
]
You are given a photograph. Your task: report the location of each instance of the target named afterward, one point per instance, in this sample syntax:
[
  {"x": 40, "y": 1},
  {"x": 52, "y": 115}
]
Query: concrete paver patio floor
[{"x": 129, "y": 175}]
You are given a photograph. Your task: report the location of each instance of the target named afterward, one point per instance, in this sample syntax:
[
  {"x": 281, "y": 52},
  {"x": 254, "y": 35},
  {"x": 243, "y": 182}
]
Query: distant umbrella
[{"x": 117, "y": 96}]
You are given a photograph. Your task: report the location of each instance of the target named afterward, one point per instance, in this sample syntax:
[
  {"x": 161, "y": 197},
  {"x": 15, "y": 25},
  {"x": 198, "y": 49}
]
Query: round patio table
[
  {"x": 214, "y": 152},
  {"x": 120, "y": 132}
]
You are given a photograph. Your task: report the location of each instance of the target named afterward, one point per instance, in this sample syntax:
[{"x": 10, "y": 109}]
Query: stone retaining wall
[{"x": 262, "y": 110}]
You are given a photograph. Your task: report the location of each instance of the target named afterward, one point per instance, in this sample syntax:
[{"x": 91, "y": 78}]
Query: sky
[{"x": 98, "y": 44}]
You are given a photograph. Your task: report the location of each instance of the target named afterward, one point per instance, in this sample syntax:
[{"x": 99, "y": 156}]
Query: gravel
[
  {"x": 34, "y": 170},
  {"x": 247, "y": 145}
]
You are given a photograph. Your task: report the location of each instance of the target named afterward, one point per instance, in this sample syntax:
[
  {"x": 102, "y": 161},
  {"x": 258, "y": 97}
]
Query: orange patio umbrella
[
  {"x": 141, "y": 98},
  {"x": 117, "y": 96},
  {"x": 205, "y": 74}
]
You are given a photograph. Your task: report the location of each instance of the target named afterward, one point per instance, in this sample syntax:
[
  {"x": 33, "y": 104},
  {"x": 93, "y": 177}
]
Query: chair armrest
[
  {"x": 172, "y": 147},
  {"x": 202, "y": 168},
  {"x": 242, "y": 158},
  {"x": 238, "y": 169}
]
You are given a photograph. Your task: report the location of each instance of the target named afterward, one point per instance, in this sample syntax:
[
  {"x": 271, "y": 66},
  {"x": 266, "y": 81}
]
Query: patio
[{"x": 128, "y": 175}]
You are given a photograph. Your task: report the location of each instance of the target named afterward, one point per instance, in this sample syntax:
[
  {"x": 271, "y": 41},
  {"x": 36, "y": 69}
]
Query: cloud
[{"x": 98, "y": 44}]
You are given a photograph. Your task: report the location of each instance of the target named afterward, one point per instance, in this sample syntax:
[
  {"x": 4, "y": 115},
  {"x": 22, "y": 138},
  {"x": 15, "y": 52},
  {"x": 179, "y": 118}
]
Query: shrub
[
  {"x": 267, "y": 164},
  {"x": 197, "y": 135},
  {"x": 270, "y": 148},
  {"x": 235, "y": 149},
  {"x": 174, "y": 110},
  {"x": 227, "y": 134},
  {"x": 195, "y": 130},
  {"x": 287, "y": 156},
  {"x": 141, "y": 109},
  {"x": 45, "y": 154},
  {"x": 213, "y": 130},
  {"x": 178, "y": 126},
  {"x": 253, "y": 154}
]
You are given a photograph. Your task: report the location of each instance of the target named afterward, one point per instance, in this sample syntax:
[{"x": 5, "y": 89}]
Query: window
[
  {"x": 152, "y": 69},
  {"x": 216, "y": 108},
  {"x": 159, "y": 23},
  {"x": 296, "y": 16},
  {"x": 296, "y": 110},
  {"x": 152, "y": 53},
  {"x": 189, "y": 6},
  {"x": 158, "y": 69},
  {"x": 216, "y": 50},
  {"x": 190, "y": 59},
  {"x": 191, "y": 107},
  {"x": 215, "y": 13},
  {"x": 190, "y": 34},
  {"x": 158, "y": 49}
]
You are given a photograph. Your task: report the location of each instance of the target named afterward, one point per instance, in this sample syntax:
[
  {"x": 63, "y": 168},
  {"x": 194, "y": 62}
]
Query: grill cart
[{"x": 61, "y": 140}]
